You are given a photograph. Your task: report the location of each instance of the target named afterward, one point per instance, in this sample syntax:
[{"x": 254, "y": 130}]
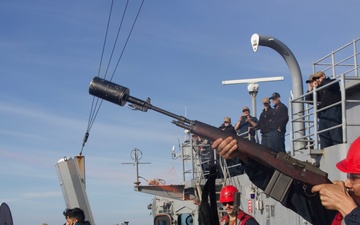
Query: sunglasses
[
  {"x": 228, "y": 203},
  {"x": 352, "y": 176}
]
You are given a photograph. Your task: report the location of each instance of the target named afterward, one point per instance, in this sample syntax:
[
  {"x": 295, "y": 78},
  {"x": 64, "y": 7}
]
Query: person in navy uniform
[
  {"x": 328, "y": 117},
  {"x": 277, "y": 124},
  {"x": 264, "y": 124},
  {"x": 227, "y": 126},
  {"x": 245, "y": 127}
]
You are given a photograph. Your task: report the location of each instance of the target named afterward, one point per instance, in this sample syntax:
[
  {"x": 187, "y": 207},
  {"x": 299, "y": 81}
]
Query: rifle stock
[{"x": 282, "y": 162}]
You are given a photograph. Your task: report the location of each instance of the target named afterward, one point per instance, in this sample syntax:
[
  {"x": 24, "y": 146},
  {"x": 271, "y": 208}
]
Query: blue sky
[{"x": 178, "y": 54}]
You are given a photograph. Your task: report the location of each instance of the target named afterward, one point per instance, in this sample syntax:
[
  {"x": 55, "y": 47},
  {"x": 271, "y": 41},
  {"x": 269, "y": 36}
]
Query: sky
[{"x": 178, "y": 54}]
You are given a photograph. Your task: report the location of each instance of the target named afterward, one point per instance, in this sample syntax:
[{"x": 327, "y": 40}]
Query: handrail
[
  {"x": 310, "y": 116},
  {"x": 341, "y": 64}
]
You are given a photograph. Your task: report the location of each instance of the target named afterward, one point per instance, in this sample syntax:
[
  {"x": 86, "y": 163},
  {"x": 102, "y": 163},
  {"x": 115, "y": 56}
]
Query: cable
[
  {"x": 117, "y": 36},
  {"x": 91, "y": 118},
  {"x": 137, "y": 15},
  {"x": 95, "y": 105}
]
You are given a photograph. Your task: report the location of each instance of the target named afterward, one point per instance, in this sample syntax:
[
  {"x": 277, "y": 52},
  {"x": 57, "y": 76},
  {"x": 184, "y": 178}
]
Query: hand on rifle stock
[
  {"x": 335, "y": 196},
  {"x": 228, "y": 149}
]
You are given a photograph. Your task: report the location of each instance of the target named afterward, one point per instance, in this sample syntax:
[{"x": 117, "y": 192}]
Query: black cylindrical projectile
[{"x": 109, "y": 91}]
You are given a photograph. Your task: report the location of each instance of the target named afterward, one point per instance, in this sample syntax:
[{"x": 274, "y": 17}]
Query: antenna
[
  {"x": 136, "y": 155},
  {"x": 252, "y": 80},
  {"x": 253, "y": 87}
]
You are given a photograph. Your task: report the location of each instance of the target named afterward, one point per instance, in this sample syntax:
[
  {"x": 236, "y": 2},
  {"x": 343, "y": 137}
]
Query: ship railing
[
  {"x": 310, "y": 138},
  {"x": 223, "y": 167},
  {"x": 191, "y": 159},
  {"x": 202, "y": 158},
  {"x": 207, "y": 156},
  {"x": 310, "y": 119},
  {"x": 343, "y": 60},
  {"x": 196, "y": 159},
  {"x": 245, "y": 134},
  {"x": 195, "y": 164}
]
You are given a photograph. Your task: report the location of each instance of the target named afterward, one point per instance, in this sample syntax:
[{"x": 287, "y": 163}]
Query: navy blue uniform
[
  {"x": 264, "y": 125},
  {"x": 277, "y": 126},
  {"x": 330, "y": 117}
]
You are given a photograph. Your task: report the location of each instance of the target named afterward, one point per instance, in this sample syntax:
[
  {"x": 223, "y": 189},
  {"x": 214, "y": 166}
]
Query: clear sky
[{"x": 178, "y": 54}]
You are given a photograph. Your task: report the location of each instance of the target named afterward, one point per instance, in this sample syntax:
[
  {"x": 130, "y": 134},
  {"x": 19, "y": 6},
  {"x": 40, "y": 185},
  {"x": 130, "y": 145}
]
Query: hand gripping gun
[{"x": 286, "y": 167}]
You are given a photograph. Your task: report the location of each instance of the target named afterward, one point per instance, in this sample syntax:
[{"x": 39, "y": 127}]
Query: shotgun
[{"x": 286, "y": 167}]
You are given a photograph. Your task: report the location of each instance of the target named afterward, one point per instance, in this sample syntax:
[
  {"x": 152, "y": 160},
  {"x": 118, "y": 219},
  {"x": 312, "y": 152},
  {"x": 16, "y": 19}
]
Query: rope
[{"x": 96, "y": 102}]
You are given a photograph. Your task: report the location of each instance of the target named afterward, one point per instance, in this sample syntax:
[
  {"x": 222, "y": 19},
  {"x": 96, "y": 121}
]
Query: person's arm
[
  {"x": 237, "y": 125},
  {"x": 283, "y": 117},
  {"x": 298, "y": 198},
  {"x": 336, "y": 197},
  {"x": 253, "y": 121},
  {"x": 259, "y": 123},
  {"x": 353, "y": 218},
  {"x": 309, "y": 97}
]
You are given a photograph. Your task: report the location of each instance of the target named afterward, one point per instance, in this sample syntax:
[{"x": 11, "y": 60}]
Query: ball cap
[
  {"x": 266, "y": 100},
  {"x": 275, "y": 95},
  {"x": 227, "y": 119},
  {"x": 319, "y": 74},
  {"x": 245, "y": 108}
]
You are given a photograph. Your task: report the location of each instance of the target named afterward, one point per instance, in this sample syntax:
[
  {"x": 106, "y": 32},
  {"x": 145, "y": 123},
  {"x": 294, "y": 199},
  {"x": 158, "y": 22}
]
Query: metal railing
[
  {"x": 342, "y": 65},
  {"x": 343, "y": 60}
]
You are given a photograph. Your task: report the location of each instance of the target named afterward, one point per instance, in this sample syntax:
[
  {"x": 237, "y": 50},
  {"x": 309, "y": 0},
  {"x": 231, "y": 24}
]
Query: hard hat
[
  {"x": 227, "y": 193},
  {"x": 351, "y": 164}
]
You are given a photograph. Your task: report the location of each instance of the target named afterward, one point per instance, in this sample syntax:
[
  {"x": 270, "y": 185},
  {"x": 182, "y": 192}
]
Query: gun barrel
[{"x": 120, "y": 95}]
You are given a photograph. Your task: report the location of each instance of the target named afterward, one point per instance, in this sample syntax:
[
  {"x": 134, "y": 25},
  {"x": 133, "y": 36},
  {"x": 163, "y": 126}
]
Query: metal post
[
  {"x": 343, "y": 108},
  {"x": 253, "y": 90},
  {"x": 297, "y": 82},
  {"x": 355, "y": 59}
]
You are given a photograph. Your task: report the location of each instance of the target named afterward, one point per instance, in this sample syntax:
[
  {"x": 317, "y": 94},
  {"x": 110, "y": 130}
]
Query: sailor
[
  {"x": 235, "y": 216},
  {"x": 329, "y": 117},
  {"x": 264, "y": 124},
  {"x": 277, "y": 124},
  {"x": 227, "y": 126},
  {"x": 324, "y": 204},
  {"x": 246, "y": 124}
]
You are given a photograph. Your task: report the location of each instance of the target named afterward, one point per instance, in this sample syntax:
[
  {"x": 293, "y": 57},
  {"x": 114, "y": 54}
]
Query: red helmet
[
  {"x": 351, "y": 164},
  {"x": 227, "y": 193}
]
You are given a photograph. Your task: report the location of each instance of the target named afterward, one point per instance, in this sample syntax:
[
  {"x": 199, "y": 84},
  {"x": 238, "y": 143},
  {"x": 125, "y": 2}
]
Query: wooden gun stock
[{"x": 280, "y": 161}]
